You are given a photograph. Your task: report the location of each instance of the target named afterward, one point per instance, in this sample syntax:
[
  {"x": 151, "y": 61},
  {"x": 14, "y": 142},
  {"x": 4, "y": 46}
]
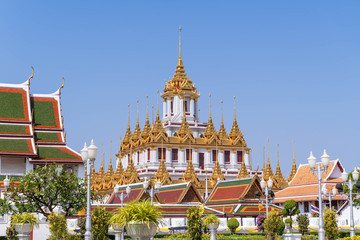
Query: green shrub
[
  {"x": 233, "y": 224},
  {"x": 57, "y": 226},
  {"x": 194, "y": 223},
  {"x": 330, "y": 225},
  {"x": 11, "y": 233},
  {"x": 303, "y": 222},
  {"x": 281, "y": 228},
  {"x": 209, "y": 219},
  {"x": 99, "y": 222},
  {"x": 25, "y": 218},
  {"x": 271, "y": 225},
  {"x": 290, "y": 209},
  {"x": 288, "y": 221},
  {"x": 73, "y": 237}
]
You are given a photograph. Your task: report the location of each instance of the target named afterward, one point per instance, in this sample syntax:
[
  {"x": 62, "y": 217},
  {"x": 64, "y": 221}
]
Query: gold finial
[
  {"x": 110, "y": 151},
  {"x": 294, "y": 168},
  {"x": 32, "y": 75},
  {"x": 263, "y": 159},
  {"x": 278, "y": 175},
  {"x": 137, "y": 111},
  {"x": 199, "y": 115},
  {"x": 268, "y": 157},
  {"x": 234, "y": 109},
  {"x": 128, "y": 116},
  {"x": 179, "y": 41},
  {"x": 222, "y": 132},
  {"x": 210, "y": 105},
  {"x": 157, "y": 113},
  {"x": 147, "y": 107},
  {"x": 152, "y": 122},
  {"x": 62, "y": 86}
]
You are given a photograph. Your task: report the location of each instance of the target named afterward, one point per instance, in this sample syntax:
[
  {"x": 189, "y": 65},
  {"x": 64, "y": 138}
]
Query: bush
[
  {"x": 281, "y": 228},
  {"x": 288, "y": 221},
  {"x": 271, "y": 224},
  {"x": 233, "y": 224},
  {"x": 99, "y": 222},
  {"x": 11, "y": 233},
  {"x": 194, "y": 223},
  {"x": 209, "y": 219},
  {"x": 303, "y": 222},
  {"x": 330, "y": 225},
  {"x": 73, "y": 237},
  {"x": 57, "y": 226},
  {"x": 290, "y": 209}
]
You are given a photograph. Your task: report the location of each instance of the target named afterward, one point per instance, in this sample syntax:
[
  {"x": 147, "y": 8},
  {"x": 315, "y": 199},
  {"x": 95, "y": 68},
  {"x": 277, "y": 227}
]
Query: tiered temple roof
[{"x": 31, "y": 125}]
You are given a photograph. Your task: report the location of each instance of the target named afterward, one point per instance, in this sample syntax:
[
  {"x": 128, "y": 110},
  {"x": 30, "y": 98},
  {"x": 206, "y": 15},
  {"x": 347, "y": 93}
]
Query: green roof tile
[
  {"x": 12, "y": 129},
  {"x": 54, "y": 153},
  {"x": 14, "y": 145},
  {"x": 46, "y": 136},
  {"x": 11, "y": 105},
  {"x": 43, "y": 113}
]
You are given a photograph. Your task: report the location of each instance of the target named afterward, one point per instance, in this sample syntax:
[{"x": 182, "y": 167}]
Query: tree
[
  {"x": 271, "y": 224},
  {"x": 44, "y": 189},
  {"x": 330, "y": 225},
  {"x": 100, "y": 223},
  {"x": 233, "y": 224},
  {"x": 303, "y": 222},
  {"x": 290, "y": 209},
  {"x": 194, "y": 223},
  {"x": 57, "y": 226}
]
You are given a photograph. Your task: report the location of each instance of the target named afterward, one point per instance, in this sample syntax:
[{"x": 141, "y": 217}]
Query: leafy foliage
[
  {"x": 25, "y": 218},
  {"x": 138, "y": 211},
  {"x": 100, "y": 223},
  {"x": 194, "y": 223},
  {"x": 45, "y": 188},
  {"x": 330, "y": 225},
  {"x": 271, "y": 224},
  {"x": 209, "y": 219},
  {"x": 290, "y": 209},
  {"x": 57, "y": 226},
  {"x": 233, "y": 224},
  {"x": 303, "y": 221},
  {"x": 11, "y": 233},
  {"x": 260, "y": 222},
  {"x": 281, "y": 228}
]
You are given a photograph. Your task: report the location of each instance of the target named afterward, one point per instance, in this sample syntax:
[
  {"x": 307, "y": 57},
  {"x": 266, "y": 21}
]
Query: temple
[
  {"x": 178, "y": 148},
  {"x": 32, "y": 131}
]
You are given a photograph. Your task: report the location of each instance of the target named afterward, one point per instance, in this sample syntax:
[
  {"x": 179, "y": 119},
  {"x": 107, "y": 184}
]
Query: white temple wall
[{"x": 11, "y": 165}]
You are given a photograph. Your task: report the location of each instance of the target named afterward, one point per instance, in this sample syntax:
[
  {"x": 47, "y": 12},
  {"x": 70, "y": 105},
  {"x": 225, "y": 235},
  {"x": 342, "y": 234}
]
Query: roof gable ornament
[
  {"x": 32, "y": 75},
  {"x": 243, "y": 173}
]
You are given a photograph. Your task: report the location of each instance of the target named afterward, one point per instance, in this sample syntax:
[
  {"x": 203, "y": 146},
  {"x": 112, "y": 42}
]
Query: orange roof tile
[{"x": 304, "y": 174}]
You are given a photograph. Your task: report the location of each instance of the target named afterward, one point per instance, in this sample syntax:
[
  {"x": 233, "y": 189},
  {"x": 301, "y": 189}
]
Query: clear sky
[{"x": 293, "y": 65}]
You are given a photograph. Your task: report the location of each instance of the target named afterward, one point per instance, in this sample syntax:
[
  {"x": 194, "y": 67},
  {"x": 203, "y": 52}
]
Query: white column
[
  {"x": 207, "y": 159},
  {"x": 181, "y": 159},
  {"x": 192, "y": 107},
  {"x": 181, "y": 106},
  {"x": 28, "y": 165},
  {"x": 168, "y": 157},
  {"x": 164, "y": 108},
  {"x": 221, "y": 158},
  {"x": 246, "y": 159},
  {"x": 233, "y": 159},
  {"x": 169, "y": 108},
  {"x": 153, "y": 156}
]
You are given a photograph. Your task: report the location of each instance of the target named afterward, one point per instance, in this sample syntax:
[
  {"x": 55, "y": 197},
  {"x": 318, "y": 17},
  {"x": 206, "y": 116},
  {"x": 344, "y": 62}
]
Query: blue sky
[{"x": 293, "y": 65}]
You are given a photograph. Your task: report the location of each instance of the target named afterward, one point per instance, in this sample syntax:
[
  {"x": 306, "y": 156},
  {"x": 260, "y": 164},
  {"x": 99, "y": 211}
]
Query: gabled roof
[
  {"x": 233, "y": 191},
  {"x": 137, "y": 193},
  {"x": 304, "y": 186},
  {"x": 31, "y": 125},
  {"x": 179, "y": 193}
]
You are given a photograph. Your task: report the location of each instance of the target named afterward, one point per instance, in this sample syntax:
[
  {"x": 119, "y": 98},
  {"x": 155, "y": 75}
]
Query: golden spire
[
  {"x": 294, "y": 168},
  {"x": 243, "y": 173},
  {"x": 93, "y": 178},
  {"x": 158, "y": 128},
  {"x": 190, "y": 174},
  {"x": 108, "y": 178},
  {"x": 180, "y": 83},
  {"x": 184, "y": 129},
  {"x": 268, "y": 171},
  {"x": 210, "y": 130},
  {"x": 147, "y": 127},
  {"x": 162, "y": 173},
  {"x": 137, "y": 132},
  {"x": 278, "y": 175},
  {"x": 222, "y": 132},
  {"x": 131, "y": 174},
  {"x": 101, "y": 174},
  {"x": 127, "y": 137},
  {"x": 264, "y": 166},
  {"x": 217, "y": 173},
  {"x": 235, "y": 133},
  {"x": 110, "y": 169},
  {"x": 119, "y": 173},
  {"x": 152, "y": 115}
]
